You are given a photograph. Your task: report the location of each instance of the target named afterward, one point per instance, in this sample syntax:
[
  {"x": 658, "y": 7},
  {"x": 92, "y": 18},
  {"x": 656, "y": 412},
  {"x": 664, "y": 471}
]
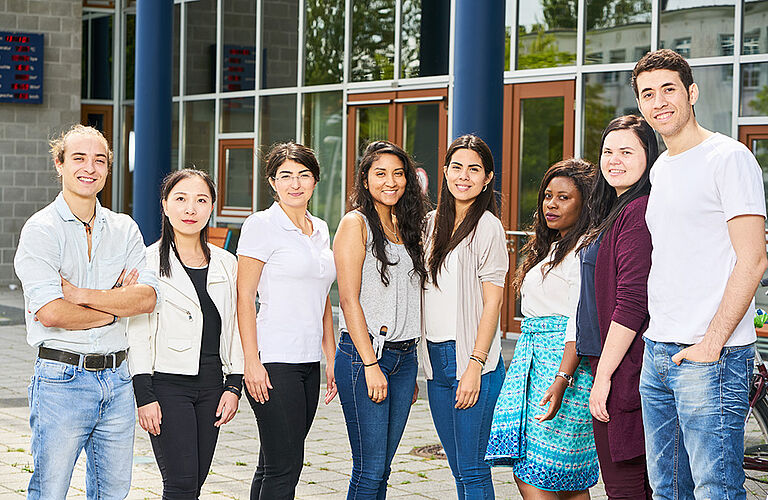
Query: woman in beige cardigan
[{"x": 467, "y": 264}]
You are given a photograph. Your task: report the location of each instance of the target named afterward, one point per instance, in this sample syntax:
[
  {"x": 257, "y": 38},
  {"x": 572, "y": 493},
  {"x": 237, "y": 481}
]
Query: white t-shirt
[
  {"x": 294, "y": 285},
  {"x": 693, "y": 196},
  {"x": 441, "y": 327}
]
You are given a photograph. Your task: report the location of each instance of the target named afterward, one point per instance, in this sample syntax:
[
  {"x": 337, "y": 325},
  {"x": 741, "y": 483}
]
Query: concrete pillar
[{"x": 152, "y": 123}]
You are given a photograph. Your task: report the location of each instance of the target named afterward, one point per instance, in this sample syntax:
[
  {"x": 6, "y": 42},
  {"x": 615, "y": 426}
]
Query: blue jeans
[
  {"x": 693, "y": 416},
  {"x": 71, "y": 409},
  {"x": 463, "y": 433},
  {"x": 374, "y": 429}
]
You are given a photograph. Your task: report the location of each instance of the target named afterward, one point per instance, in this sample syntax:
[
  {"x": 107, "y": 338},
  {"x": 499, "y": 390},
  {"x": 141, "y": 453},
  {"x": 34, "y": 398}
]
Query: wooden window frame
[
  {"x": 395, "y": 101},
  {"x": 510, "y": 165},
  {"x": 224, "y": 210}
]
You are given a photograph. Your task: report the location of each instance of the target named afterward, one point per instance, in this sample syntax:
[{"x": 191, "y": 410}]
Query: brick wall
[{"x": 27, "y": 179}]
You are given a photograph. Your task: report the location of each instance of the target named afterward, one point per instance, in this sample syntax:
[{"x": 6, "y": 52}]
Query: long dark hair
[
  {"x": 603, "y": 205},
  {"x": 444, "y": 238},
  {"x": 409, "y": 210},
  {"x": 538, "y": 246},
  {"x": 166, "y": 233}
]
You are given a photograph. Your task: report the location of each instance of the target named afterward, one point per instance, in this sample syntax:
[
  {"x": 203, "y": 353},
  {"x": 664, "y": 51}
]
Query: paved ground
[{"x": 327, "y": 462}]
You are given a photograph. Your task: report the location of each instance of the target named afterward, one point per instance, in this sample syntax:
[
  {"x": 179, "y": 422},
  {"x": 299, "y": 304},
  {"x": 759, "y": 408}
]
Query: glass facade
[{"x": 277, "y": 70}]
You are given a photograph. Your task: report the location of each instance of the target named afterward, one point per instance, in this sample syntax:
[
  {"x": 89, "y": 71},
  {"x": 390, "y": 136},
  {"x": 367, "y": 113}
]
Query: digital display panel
[{"x": 21, "y": 67}]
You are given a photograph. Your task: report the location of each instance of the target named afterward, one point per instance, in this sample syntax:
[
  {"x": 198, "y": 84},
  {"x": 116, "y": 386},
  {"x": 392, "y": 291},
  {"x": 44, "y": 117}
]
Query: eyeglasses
[{"x": 303, "y": 178}]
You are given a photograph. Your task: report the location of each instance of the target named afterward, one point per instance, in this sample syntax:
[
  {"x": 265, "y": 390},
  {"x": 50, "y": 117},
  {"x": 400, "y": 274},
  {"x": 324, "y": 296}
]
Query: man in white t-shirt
[{"x": 706, "y": 215}]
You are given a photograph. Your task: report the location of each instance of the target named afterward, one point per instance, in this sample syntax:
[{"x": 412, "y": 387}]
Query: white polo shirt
[
  {"x": 693, "y": 196},
  {"x": 294, "y": 285}
]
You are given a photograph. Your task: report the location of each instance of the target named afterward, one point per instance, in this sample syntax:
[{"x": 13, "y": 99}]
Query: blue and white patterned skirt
[{"x": 556, "y": 455}]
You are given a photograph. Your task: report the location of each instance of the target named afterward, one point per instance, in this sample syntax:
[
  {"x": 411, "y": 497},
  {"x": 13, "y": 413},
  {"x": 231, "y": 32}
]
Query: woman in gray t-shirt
[{"x": 380, "y": 271}]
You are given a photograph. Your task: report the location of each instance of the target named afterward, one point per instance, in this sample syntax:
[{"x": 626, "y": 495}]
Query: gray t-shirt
[{"x": 396, "y": 306}]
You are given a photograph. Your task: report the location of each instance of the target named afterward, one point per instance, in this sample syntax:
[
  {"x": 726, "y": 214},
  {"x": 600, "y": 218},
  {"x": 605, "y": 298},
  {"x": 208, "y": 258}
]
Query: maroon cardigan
[{"x": 621, "y": 295}]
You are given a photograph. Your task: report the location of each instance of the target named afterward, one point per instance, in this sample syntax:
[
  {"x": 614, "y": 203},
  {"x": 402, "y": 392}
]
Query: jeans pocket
[
  {"x": 55, "y": 372},
  {"x": 123, "y": 373}
]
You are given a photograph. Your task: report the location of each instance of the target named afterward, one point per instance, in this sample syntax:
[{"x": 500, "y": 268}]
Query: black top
[
  {"x": 587, "y": 329},
  {"x": 209, "y": 374}
]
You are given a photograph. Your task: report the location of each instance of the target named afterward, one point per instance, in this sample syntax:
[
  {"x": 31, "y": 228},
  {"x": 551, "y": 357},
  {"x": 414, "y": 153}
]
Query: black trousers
[
  {"x": 184, "y": 448},
  {"x": 284, "y": 423}
]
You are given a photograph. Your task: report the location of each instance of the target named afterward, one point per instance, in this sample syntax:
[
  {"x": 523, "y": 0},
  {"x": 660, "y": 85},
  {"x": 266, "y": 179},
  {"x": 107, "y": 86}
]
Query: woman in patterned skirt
[{"x": 551, "y": 457}]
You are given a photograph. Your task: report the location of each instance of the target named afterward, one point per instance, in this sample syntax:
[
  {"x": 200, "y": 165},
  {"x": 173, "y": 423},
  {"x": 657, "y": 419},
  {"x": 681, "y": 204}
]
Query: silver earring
[{"x": 485, "y": 187}]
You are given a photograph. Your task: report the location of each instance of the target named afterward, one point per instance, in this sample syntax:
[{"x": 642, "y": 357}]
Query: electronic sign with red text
[{"x": 21, "y": 67}]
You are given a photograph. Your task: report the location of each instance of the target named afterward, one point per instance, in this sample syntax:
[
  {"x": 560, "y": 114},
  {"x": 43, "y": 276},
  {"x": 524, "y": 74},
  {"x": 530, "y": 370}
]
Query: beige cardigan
[{"x": 482, "y": 258}]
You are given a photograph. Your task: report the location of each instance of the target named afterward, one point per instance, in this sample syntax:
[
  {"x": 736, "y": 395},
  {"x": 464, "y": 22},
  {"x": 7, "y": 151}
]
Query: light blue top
[{"x": 53, "y": 243}]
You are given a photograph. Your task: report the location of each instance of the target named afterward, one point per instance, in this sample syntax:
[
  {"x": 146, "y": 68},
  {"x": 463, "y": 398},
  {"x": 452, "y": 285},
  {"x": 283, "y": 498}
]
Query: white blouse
[
  {"x": 294, "y": 285},
  {"x": 557, "y": 293}
]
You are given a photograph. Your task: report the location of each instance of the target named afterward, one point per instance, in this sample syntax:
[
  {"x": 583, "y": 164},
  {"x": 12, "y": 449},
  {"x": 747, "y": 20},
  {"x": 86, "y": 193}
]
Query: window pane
[
  {"x": 755, "y": 20},
  {"x": 323, "y": 41},
  {"x": 372, "y": 125},
  {"x": 541, "y": 145},
  {"x": 715, "y": 97},
  {"x": 237, "y": 115},
  {"x": 754, "y": 89},
  {"x": 176, "y": 52},
  {"x": 322, "y": 132},
  {"x": 697, "y": 31},
  {"x": 509, "y": 11},
  {"x": 200, "y": 40},
  {"x": 279, "y": 43},
  {"x": 174, "y": 136},
  {"x": 238, "y": 174},
  {"x": 546, "y": 34},
  {"x": 199, "y": 135},
  {"x": 606, "y": 96},
  {"x": 424, "y": 39},
  {"x": 97, "y": 56},
  {"x": 421, "y": 135},
  {"x": 277, "y": 124},
  {"x": 239, "y": 51},
  {"x": 373, "y": 40},
  {"x": 130, "y": 55},
  {"x": 618, "y": 28}
]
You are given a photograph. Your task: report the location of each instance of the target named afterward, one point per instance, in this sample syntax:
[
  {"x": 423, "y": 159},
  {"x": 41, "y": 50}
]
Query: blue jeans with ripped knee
[{"x": 693, "y": 416}]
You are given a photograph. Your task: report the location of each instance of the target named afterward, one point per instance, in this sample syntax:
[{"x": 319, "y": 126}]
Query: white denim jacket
[{"x": 168, "y": 339}]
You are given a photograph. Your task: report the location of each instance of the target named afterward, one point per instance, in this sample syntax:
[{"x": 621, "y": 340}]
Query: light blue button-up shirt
[{"x": 53, "y": 243}]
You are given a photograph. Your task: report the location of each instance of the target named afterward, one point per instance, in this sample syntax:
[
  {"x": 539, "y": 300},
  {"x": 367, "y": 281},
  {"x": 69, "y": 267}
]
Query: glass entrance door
[
  {"x": 538, "y": 131},
  {"x": 755, "y": 137},
  {"x": 417, "y": 121}
]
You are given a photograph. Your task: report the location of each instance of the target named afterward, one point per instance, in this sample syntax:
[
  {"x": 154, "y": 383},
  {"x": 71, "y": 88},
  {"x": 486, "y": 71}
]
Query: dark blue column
[
  {"x": 478, "y": 88},
  {"x": 152, "y": 124}
]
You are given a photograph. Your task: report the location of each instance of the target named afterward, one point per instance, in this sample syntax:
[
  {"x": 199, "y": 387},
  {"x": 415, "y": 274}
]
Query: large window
[
  {"x": 546, "y": 34},
  {"x": 199, "y": 131},
  {"x": 606, "y": 96},
  {"x": 238, "y": 70},
  {"x": 373, "y": 40},
  {"x": 278, "y": 124},
  {"x": 200, "y": 55},
  {"x": 279, "y": 43},
  {"x": 424, "y": 38},
  {"x": 323, "y": 41},
  {"x": 616, "y": 27},
  {"x": 322, "y": 131},
  {"x": 695, "y": 29},
  {"x": 755, "y": 22},
  {"x": 97, "y": 55}
]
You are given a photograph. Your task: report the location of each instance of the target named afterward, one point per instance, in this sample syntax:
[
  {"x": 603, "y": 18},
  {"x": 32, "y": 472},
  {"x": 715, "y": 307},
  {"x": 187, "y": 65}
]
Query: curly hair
[{"x": 582, "y": 173}]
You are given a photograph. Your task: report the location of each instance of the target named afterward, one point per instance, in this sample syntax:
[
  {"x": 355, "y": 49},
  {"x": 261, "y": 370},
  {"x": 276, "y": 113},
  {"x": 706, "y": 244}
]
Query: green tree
[
  {"x": 760, "y": 102},
  {"x": 324, "y": 39}
]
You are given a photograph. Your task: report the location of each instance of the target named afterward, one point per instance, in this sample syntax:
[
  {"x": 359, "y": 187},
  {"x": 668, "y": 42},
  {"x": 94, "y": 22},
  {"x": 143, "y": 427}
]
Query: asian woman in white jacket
[{"x": 185, "y": 357}]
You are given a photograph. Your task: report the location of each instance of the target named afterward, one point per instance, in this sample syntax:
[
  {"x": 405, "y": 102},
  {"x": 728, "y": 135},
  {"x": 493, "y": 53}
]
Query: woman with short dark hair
[{"x": 284, "y": 255}]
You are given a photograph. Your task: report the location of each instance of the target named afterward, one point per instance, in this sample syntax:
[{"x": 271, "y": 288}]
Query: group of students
[{"x": 605, "y": 286}]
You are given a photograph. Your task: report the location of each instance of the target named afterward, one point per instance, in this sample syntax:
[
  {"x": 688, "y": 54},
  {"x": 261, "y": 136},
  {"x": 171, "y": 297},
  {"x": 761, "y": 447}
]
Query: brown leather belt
[{"x": 91, "y": 362}]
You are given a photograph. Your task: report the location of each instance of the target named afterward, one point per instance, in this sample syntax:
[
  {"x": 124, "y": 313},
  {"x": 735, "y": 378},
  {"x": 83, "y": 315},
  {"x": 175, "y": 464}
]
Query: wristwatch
[{"x": 568, "y": 378}]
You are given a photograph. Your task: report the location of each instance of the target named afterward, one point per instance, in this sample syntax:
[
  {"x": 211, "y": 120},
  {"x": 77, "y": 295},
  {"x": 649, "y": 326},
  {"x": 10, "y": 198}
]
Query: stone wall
[{"x": 27, "y": 179}]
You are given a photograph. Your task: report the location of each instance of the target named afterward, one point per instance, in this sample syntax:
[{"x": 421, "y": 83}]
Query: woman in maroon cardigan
[{"x": 613, "y": 311}]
